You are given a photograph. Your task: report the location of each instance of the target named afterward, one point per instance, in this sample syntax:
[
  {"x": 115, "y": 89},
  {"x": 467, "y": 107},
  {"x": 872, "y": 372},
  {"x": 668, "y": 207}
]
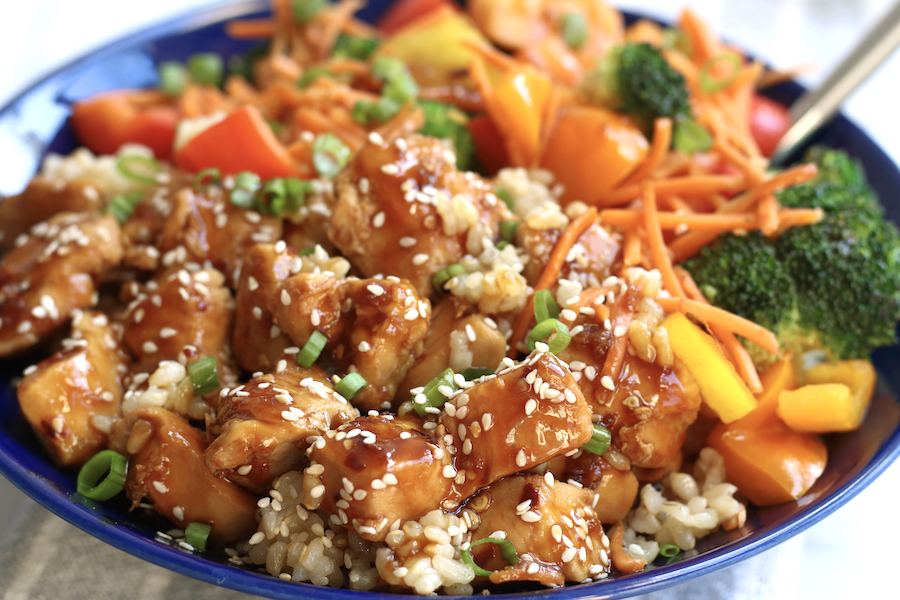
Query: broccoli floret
[
  {"x": 447, "y": 122},
  {"x": 635, "y": 79},
  {"x": 834, "y": 285}
]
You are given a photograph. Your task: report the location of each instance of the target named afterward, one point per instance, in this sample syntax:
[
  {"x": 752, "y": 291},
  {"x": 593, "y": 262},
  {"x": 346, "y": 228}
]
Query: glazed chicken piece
[
  {"x": 179, "y": 310},
  {"x": 377, "y": 472},
  {"x": 459, "y": 338},
  {"x": 615, "y": 490},
  {"x": 42, "y": 199},
  {"x": 206, "y": 226},
  {"x": 166, "y": 465},
  {"x": 71, "y": 398},
  {"x": 589, "y": 262},
  {"x": 54, "y": 271},
  {"x": 264, "y": 425},
  {"x": 552, "y": 524},
  {"x": 514, "y": 421},
  {"x": 376, "y": 326},
  {"x": 403, "y": 208}
]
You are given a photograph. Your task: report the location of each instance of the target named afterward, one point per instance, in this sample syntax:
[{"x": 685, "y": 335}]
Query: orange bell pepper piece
[
  {"x": 591, "y": 150},
  {"x": 769, "y": 462},
  {"x": 105, "y": 122},
  {"x": 243, "y": 141},
  {"x": 518, "y": 106}
]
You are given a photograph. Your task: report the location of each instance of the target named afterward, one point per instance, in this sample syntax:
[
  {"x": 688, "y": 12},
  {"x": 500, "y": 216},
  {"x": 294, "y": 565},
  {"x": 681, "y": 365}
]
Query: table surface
[{"x": 42, "y": 35}]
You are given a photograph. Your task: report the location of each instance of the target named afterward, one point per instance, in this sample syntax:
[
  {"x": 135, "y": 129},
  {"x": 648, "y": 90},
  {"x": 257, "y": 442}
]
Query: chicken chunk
[
  {"x": 553, "y": 526},
  {"x": 459, "y": 338},
  {"x": 404, "y": 209},
  {"x": 183, "y": 309},
  {"x": 375, "y": 326},
  {"x": 42, "y": 199},
  {"x": 377, "y": 471},
  {"x": 589, "y": 262},
  {"x": 264, "y": 425},
  {"x": 71, "y": 398},
  {"x": 166, "y": 465},
  {"x": 206, "y": 226},
  {"x": 514, "y": 421},
  {"x": 54, "y": 271},
  {"x": 615, "y": 489}
]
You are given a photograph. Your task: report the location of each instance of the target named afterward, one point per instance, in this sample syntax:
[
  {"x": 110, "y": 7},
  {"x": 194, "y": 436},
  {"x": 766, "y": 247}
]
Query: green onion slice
[
  {"x": 690, "y": 136},
  {"x": 207, "y": 178},
  {"x": 574, "y": 30},
  {"x": 711, "y": 83},
  {"x": 545, "y": 306},
  {"x": 244, "y": 191},
  {"x": 196, "y": 535},
  {"x": 445, "y": 275},
  {"x": 330, "y": 154},
  {"x": 599, "y": 442},
  {"x": 311, "y": 75},
  {"x": 140, "y": 169},
  {"x": 388, "y": 68},
  {"x": 122, "y": 205},
  {"x": 507, "y": 551},
  {"x": 91, "y": 481},
  {"x": 502, "y": 244},
  {"x": 675, "y": 39},
  {"x": 508, "y": 230},
  {"x": 304, "y": 10},
  {"x": 204, "y": 376},
  {"x": 350, "y": 385},
  {"x": 670, "y": 551},
  {"x": 432, "y": 392},
  {"x": 507, "y": 198},
  {"x": 312, "y": 349},
  {"x": 546, "y": 328},
  {"x": 401, "y": 89},
  {"x": 306, "y": 252},
  {"x": 476, "y": 372},
  {"x": 206, "y": 68},
  {"x": 172, "y": 78},
  {"x": 349, "y": 46},
  {"x": 362, "y": 112}
]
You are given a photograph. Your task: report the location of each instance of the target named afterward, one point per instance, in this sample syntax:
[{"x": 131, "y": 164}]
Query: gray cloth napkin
[{"x": 43, "y": 557}]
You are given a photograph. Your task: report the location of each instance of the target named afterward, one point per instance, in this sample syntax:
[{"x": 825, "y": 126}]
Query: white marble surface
[{"x": 833, "y": 560}]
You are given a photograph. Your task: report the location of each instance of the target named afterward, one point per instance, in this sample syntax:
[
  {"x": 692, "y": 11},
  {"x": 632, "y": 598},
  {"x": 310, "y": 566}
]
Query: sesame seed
[
  {"x": 375, "y": 138},
  {"x": 244, "y": 469},
  {"x": 316, "y": 492},
  {"x": 58, "y": 423},
  {"x": 284, "y": 398},
  {"x": 274, "y": 331},
  {"x": 285, "y": 298},
  {"x": 289, "y": 416},
  {"x": 619, "y": 331},
  {"x": 548, "y": 479},
  {"x": 281, "y": 366},
  {"x": 390, "y": 479},
  {"x": 264, "y": 502},
  {"x": 411, "y": 315},
  {"x": 364, "y": 346},
  {"x": 530, "y": 406},
  {"x": 178, "y": 513},
  {"x": 568, "y": 314},
  {"x": 530, "y": 516},
  {"x": 390, "y": 169},
  {"x": 470, "y": 332},
  {"x": 315, "y": 318},
  {"x": 569, "y": 554},
  {"x": 149, "y": 347},
  {"x": 407, "y": 242},
  {"x": 607, "y": 382},
  {"x": 375, "y": 289},
  {"x": 448, "y": 471},
  {"x": 252, "y": 284},
  {"x": 420, "y": 259},
  {"x": 167, "y": 332},
  {"x": 378, "y": 220},
  {"x": 521, "y": 459},
  {"x": 257, "y": 537},
  {"x": 257, "y": 313},
  {"x": 24, "y": 327}
]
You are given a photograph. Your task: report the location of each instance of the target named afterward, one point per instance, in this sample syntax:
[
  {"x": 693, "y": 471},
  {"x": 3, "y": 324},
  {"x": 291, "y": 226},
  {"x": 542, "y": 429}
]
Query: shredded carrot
[
  {"x": 551, "y": 272},
  {"x": 500, "y": 60},
  {"x": 620, "y": 320},
  {"x": 767, "y": 211},
  {"x": 712, "y": 222},
  {"x": 682, "y": 186},
  {"x": 631, "y": 248},
  {"x": 732, "y": 322},
  {"x": 662, "y": 139},
  {"x": 247, "y": 29},
  {"x": 658, "y": 250},
  {"x": 752, "y": 172},
  {"x": 623, "y": 562},
  {"x": 704, "y": 44}
]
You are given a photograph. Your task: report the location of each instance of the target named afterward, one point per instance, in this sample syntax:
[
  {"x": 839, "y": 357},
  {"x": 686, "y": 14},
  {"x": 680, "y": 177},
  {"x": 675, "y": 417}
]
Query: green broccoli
[
  {"x": 635, "y": 79},
  {"x": 833, "y": 286},
  {"x": 446, "y": 122}
]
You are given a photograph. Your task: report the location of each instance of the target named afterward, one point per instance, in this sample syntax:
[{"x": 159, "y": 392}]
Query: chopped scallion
[
  {"x": 122, "y": 205},
  {"x": 362, "y": 111},
  {"x": 508, "y": 230},
  {"x": 545, "y": 306},
  {"x": 329, "y": 154},
  {"x": 91, "y": 481},
  {"x": 350, "y": 385},
  {"x": 388, "y": 68},
  {"x": 400, "y": 89},
  {"x": 670, "y": 551},
  {"x": 574, "y": 30},
  {"x": 690, "y": 136},
  {"x": 709, "y": 82},
  {"x": 475, "y": 372},
  {"x": 140, "y": 169},
  {"x": 311, "y": 75},
  {"x": 350, "y": 46},
  {"x": 432, "y": 392},
  {"x": 306, "y": 252},
  {"x": 196, "y": 534},
  {"x": 204, "y": 376},
  {"x": 507, "y": 551},
  {"x": 545, "y": 329},
  {"x": 507, "y": 198},
  {"x": 206, "y": 68},
  {"x": 304, "y": 10},
  {"x": 445, "y": 275},
  {"x": 599, "y": 442},
  {"x": 312, "y": 349},
  {"x": 172, "y": 78},
  {"x": 244, "y": 190},
  {"x": 207, "y": 178}
]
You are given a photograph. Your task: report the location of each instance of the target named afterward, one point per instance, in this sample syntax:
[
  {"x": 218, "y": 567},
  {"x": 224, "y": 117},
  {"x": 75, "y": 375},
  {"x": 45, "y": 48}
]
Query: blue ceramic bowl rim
[{"x": 18, "y": 469}]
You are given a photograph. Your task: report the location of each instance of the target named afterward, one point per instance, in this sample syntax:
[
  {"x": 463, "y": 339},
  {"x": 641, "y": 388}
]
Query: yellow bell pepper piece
[
  {"x": 720, "y": 386},
  {"x": 835, "y": 398}
]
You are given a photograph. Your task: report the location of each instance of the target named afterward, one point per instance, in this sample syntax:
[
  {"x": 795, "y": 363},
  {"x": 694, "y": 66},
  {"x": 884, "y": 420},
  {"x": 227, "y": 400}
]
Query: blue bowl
[{"x": 35, "y": 123}]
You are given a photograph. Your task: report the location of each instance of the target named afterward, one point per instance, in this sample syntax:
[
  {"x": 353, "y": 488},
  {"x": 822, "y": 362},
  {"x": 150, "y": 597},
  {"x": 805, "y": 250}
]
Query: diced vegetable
[
  {"x": 600, "y": 441},
  {"x": 586, "y": 137},
  {"x": 435, "y": 393},
  {"x": 304, "y": 10},
  {"x": 104, "y": 123},
  {"x": 350, "y": 385},
  {"x": 204, "y": 376},
  {"x": 312, "y": 349},
  {"x": 547, "y": 328},
  {"x": 197, "y": 534},
  {"x": 835, "y": 398},
  {"x": 721, "y": 387},
  {"x": 545, "y": 306},
  {"x": 103, "y": 476},
  {"x": 445, "y": 275},
  {"x": 206, "y": 68},
  {"x": 518, "y": 106},
  {"x": 243, "y": 141},
  {"x": 349, "y": 46},
  {"x": 330, "y": 154},
  {"x": 172, "y": 78},
  {"x": 489, "y": 148},
  {"x": 769, "y": 121},
  {"x": 507, "y": 551}
]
